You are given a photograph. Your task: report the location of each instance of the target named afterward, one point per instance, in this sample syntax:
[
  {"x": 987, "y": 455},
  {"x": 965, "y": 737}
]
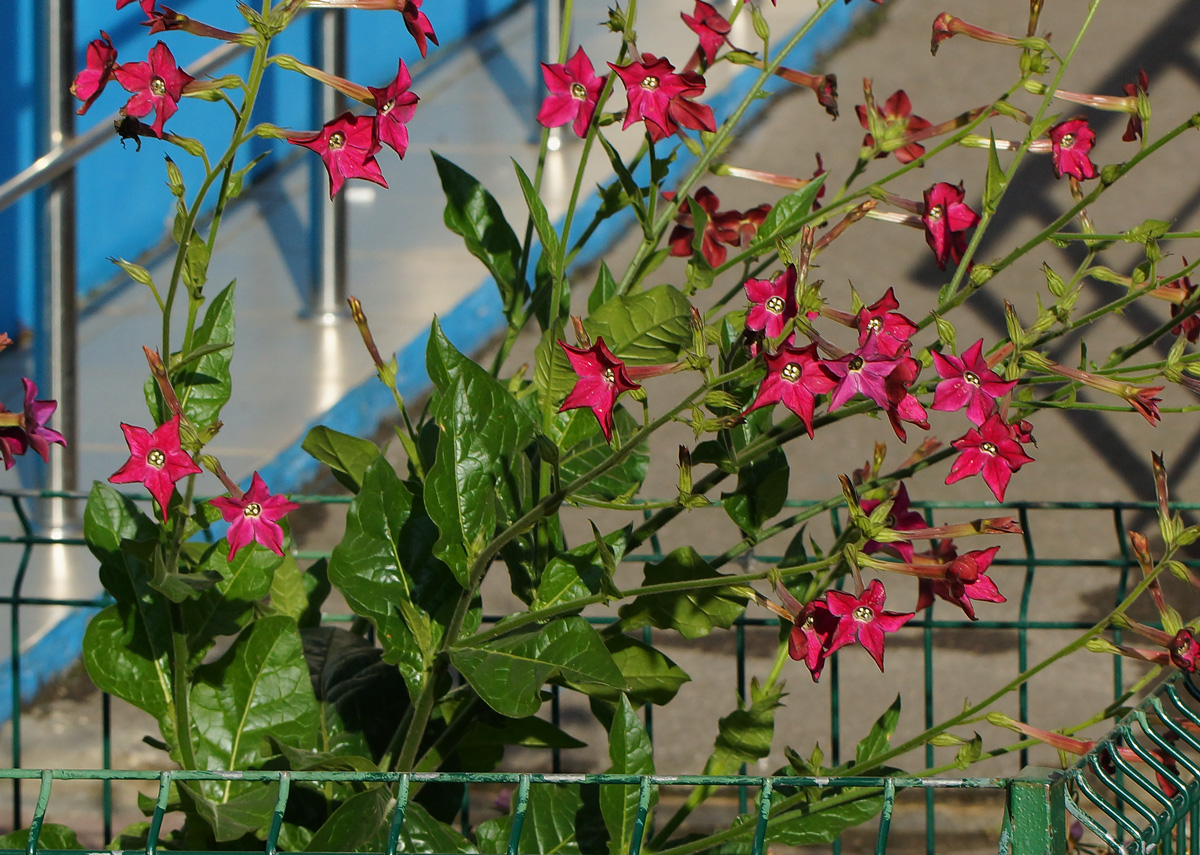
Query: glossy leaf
[
  {"x": 631, "y": 753},
  {"x": 226, "y": 607},
  {"x": 347, "y": 456},
  {"x": 204, "y": 386},
  {"x": 474, "y": 214},
  {"x": 645, "y": 327},
  {"x": 550, "y": 826},
  {"x": 552, "y": 372},
  {"x": 692, "y": 613},
  {"x": 422, "y": 833},
  {"x": 529, "y": 732},
  {"x": 360, "y": 824},
  {"x": 880, "y": 736},
  {"x": 541, "y": 220},
  {"x": 578, "y": 573},
  {"x": 243, "y": 814},
  {"x": 787, "y": 215},
  {"x": 818, "y": 823},
  {"x": 578, "y": 433},
  {"x": 650, "y": 675},
  {"x": 744, "y": 736},
  {"x": 508, "y": 673},
  {"x": 604, "y": 289},
  {"x": 762, "y": 488},
  {"x": 52, "y": 836}
]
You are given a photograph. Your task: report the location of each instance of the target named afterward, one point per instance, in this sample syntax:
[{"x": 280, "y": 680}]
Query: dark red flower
[
  {"x": 901, "y": 518},
  {"x": 602, "y": 379},
  {"x": 345, "y": 146},
  {"x": 863, "y": 619},
  {"x": 155, "y": 459},
  {"x": 712, "y": 28},
  {"x": 574, "y": 93},
  {"x": 968, "y": 382},
  {"x": 394, "y": 106},
  {"x": 1133, "y": 129},
  {"x": 795, "y": 376},
  {"x": 418, "y": 25},
  {"x": 886, "y": 329},
  {"x": 147, "y": 6},
  {"x": 716, "y": 230},
  {"x": 946, "y": 218},
  {"x": 98, "y": 70},
  {"x": 1185, "y": 651},
  {"x": 774, "y": 302},
  {"x": 993, "y": 450},
  {"x": 1072, "y": 140},
  {"x": 899, "y": 121},
  {"x": 156, "y": 84},
  {"x": 965, "y": 581},
  {"x": 660, "y": 98},
  {"x": 1189, "y": 326},
  {"x": 903, "y": 406}
]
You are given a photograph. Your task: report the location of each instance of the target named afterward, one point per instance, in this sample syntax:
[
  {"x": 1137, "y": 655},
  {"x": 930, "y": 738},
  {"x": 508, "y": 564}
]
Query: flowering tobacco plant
[{"x": 538, "y": 472}]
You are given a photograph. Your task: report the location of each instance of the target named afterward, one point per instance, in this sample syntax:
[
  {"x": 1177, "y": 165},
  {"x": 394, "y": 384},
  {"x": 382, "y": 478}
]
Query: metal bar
[
  {"x": 645, "y": 791},
  {"x": 327, "y": 302},
  {"x": 398, "y": 815},
  {"x": 285, "y": 785},
  {"x": 885, "y": 817},
  {"x": 39, "y": 814},
  {"x": 160, "y": 811},
  {"x": 1037, "y": 805},
  {"x": 518, "y": 822},
  {"x": 764, "y": 813}
]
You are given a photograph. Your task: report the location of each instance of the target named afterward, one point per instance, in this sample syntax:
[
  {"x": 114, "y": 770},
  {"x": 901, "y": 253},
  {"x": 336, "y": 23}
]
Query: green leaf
[
  {"x": 360, "y": 824},
  {"x": 877, "y": 741},
  {"x": 386, "y": 557},
  {"x": 816, "y": 823},
  {"x": 552, "y": 372},
  {"x": 529, "y": 732},
  {"x": 631, "y": 753},
  {"x": 604, "y": 289},
  {"x": 762, "y": 488},
  {"x": 124, "y": 662},
  {"x": 226, "y": 607},
  {"x": 578, "y": 433},
  {"x": 474, "y": 214},
  {"x": 243, "y": 814},
  {"x": 634, "y": 193},
  {"x": 204, "y": 388},
  {"x": 422, "y": 833},
  {"x": 550, "y": 827},
  {"x": 745, "y": 735},
  {"x": 288, "y": 594},
  {"x": 541, "y": 220},
  {"x": 195, "y": 264},
  {"x": 651, "y": 676},
  {"x": 1150, "y": 230},
  {"x": 260, "y": 686},
  {"x": 577, "y": 573},
  {"x": 788, "y": 214},
  {"x": 348, "y": 456},
  {"x": 52, "y": 836},
  {"x": 995, "y": 182},
  {"x": 646, "y": 327},
  {"x": 543, "y": 290},
  {"x": 693, "y": 613},
  {"x": 508, "y": 673}
]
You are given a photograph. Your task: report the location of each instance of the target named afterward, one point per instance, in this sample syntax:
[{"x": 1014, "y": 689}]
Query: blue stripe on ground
[{"x": 469, "y": 325}]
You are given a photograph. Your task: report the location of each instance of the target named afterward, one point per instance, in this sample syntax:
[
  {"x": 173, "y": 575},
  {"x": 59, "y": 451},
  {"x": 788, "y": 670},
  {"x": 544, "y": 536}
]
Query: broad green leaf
[
  {"x": 243, "y": 814},
  {"x": 787, "y": 215},
  {"x": 631, "y": 753},
  {"x": 204, "y": 385},
  {"x": 880, "y": 737},
  {"x": 646, "y": 327},
  {"x": 551, "y": 817},
  {"x": 386, "y": 557},
  {"x": 604, "y": 289},
  {"x": 474, "y": 214},
  {"x": 745, "y": 735},
  {"x": 299, "y": 760},
  {"x": 633, "y": 192},
  {"x": 124, "y": 662},
  {"x": 422, "y": 833},
  {"x": 543, "y": 291},
  {"x": 226, "y": 607},
  {"x": 552, "y": 372},
  {"x": 348, "y": 456},
  {"x": 577, "y": 573},
  {"x": 530, "y": 732},
  {"x": 260, "y": 686},
  {"x": 818, "y": 823},
  {"x": 762, "y": 488},
  {"x": 650, "y": 675},
  {"x": 579, "y": 434},
  {"x": 693, "y": 613},
  {"x": 360, "y": 824},
  {"x": 288, "y": 594},
  {"x": 508, "y": 673},
  {"x": 52, "y": 836}
]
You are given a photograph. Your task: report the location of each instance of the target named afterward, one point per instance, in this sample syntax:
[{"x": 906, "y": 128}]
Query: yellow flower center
[
  {"x": 578, "y": 91},
  {"x": 337, "y": 139},
  {"x": 610, "y": 375},
  {"x": 650, "y": 83},
  {"x": 158, "y": 86},
  {"x": 875, "y": 325},
  {"x": 791, "y": 372},
  {"x": 387, "y": 108},
  {"x": 864, "y": 614},
  {"x": 989, "y": 447},
  {"x": 252, "y": 510},
  {"x": 156, "y": 458},
  {"x": 1067, "y": 141},
  {"x": 935, "y": 213},
  {"x": 856, "y": 363},
  {"x": 775, "y": 305},
  {"x": 971, "y": 377}
]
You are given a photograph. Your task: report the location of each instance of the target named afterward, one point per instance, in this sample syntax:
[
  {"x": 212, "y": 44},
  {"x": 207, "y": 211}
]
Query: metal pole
[
  {"x": 548, "y": 29},
  {"x": 57, "y": 335},
  {"x": 328, "y": 300}
]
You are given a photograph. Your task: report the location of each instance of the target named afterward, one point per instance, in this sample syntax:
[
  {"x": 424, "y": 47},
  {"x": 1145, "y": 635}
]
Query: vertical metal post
[
  {"x": 547, "y": 31},
  {"x": 1037, "y": 809},
  {"x": 328, "y": 299},
  {"x": 57, "y": 334}
]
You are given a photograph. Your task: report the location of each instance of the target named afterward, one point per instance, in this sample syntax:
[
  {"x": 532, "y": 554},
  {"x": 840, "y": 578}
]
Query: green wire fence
[{"x": 1138, "y": 790}]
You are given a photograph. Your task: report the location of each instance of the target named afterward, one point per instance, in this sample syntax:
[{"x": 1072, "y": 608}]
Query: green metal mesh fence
[{"x": 1137, "y": 791}]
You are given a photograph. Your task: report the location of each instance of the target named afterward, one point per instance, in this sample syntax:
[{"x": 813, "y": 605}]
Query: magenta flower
[
  {"x": 968, "y": 382},
  {"x": 254, "y": 518},
  {"x": 946, "y": 218},
  {"x": 897, "y": 117},
  {"x": 98, "y": 70},
  {"x": 147, "y": 6},
  {"x": 903, "y": 405},
  {"x": 887, "y": 329},
  {"x": 1072, "y": 140},
  {"x": 1181, "y": 290},
  {"x": 345, "y": 146},
  {"x": 863, "y": 619},
  {"x": 574, "y": 93},
  {"x": 965, "y": 581},
  {"x": 602, "y": 379},
  {"x": 862, "y": 371},
  {"x": 1185, "y": 651},
  {"x": 717, "y": 230},
  {"x": 712, "y": 28},
  {"x": 659, "y": 97},
  {"x": 394, "y": 106},
  {"x": 418, "y": 25},
  {"x": 156, "y": 84},
  {"x": 810, "y": 637},
  {"x": 37, "y": 413},
  {"x": 795, "y": 376},
  {"x": 994, "y": 450},
  {"x": 774, "y": 302},
  {"x": 155, "y": 459},
  {"x": 1133, "y": 128},
  {"x": 902, "y": 518}
]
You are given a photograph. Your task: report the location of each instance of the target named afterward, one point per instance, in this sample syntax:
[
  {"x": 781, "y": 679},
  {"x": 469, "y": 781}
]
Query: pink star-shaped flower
[
  {"x": 994, "y": 450},
  {"x": 98, "y": 70},
  {"x": 887, "y": 329},
  {"x": 968, "y": 382},
  {"x": 394, "y": 106},
  {"x": 711, "y": 26},
  {"x": 345, "y": 146},
  {"x": 574, "y": 93},
  {"x": 418, "y": 25},
  {"x": 156, "y": 84},
  {"x": 946, "y": 218},
  {"x": 1071, "y": 141},
  {"x": 37, "y": 413},
  {"x": 903, "y": 405},
  {"x": 965, "y": 581},
  {"x": 659, "y": 97},
  {"x": 155, "y": 459},
  {"x": 774, "y": 302},
  {"x": 254, "y": 518},
  {"x": 863, "y": 619},
  {"x": 602, "y": 379},
  {"x": 862, "y": 371},
  {"x": 795, "y": 376}
]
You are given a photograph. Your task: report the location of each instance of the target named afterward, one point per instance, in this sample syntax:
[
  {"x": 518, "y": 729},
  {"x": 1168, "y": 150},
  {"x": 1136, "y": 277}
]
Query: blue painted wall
[{"x": 136, "y": 180}]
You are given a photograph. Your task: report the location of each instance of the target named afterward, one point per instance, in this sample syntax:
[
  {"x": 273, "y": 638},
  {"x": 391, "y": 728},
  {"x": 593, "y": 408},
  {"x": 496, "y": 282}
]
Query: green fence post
[{"x": 1037, "y": 810}]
